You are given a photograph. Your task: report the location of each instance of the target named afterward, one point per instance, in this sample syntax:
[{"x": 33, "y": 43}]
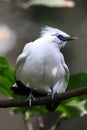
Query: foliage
[
  {"x": 47, "y": 3},
  {"x": 77, "y": 105},
  {"x": 72, "y": 107},
  {"x": 6, "y": 77}
]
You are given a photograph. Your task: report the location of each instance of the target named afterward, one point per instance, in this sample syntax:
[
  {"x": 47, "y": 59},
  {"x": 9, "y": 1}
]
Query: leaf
[
  {"x": 76, "y": 106},
  {"x": 6, "y": 77},
  {"x": 48, "y": 3},
  {"x": 77, "y": 81}
]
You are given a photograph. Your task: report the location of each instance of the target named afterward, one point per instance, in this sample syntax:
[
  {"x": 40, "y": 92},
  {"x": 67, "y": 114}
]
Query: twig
[
  {"x": 4, "y": 103},
  {"x": 58, "y": 121},
  {"x": 40, "y": 122}
]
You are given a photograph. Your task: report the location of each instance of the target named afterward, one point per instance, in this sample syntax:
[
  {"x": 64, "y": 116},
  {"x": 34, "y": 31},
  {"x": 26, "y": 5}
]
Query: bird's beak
[{"x": 72, "y": 38}]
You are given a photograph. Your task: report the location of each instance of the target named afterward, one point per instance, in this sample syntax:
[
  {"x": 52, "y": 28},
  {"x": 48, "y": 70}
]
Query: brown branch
[{"x": 4, "y": 103}]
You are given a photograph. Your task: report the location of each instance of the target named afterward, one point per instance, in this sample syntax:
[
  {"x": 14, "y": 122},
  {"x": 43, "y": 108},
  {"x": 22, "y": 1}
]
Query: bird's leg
[
  {"x": 51, "y": 106},
  {"x": 51, "y": 93},
  {"x": 30, "y": 98}
]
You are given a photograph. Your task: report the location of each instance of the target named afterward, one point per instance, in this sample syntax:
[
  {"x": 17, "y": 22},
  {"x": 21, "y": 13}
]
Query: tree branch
[{"x": 4, "y": 103}]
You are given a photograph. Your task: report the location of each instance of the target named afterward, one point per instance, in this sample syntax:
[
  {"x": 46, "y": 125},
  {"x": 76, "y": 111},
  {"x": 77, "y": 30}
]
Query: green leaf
[
  {"x": 6, "y": 77},
  {"x": 76, "y": 106},
  {"x": 50, "y": 3},
  {"x": 47, "y": 3},
  {"x": 77, "y": 81}
]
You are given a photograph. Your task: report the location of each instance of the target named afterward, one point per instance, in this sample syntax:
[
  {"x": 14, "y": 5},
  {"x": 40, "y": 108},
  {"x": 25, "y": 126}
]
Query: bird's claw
[
  {"x": 30, "y": 98},
  {"x": 51, "y": 94}
]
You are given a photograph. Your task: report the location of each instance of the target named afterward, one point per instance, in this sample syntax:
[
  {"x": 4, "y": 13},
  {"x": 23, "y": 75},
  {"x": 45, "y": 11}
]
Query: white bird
[{"x": 41, "y": 64}]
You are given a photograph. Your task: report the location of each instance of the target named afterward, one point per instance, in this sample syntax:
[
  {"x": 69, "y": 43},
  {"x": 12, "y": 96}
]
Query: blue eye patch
[{"x": 62, "y": 38}]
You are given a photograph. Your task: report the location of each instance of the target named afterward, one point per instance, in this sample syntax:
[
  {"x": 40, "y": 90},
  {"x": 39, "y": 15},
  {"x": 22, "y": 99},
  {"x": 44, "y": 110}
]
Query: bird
[{"x": 41, "y": 66}]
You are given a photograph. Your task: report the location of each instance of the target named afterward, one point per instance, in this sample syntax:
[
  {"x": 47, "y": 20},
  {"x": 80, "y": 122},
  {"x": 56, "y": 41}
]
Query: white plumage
[{"x": 41, "y": 64}]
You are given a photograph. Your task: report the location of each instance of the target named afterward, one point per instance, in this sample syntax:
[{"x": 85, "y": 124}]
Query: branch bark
[{"x": 4, "y": 103}]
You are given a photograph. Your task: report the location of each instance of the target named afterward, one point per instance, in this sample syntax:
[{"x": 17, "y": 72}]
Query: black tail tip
[{"x": 52, "y": 106}]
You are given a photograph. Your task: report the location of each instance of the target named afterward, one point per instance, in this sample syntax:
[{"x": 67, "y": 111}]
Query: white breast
[{"x": 43, "y": 68}]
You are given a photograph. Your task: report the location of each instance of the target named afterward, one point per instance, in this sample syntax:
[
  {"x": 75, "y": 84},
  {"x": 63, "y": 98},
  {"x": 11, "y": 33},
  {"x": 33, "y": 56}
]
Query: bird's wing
[
  {"x": 22, "y": 57},
  {"x": 20, "y": 60},
  {"x": 67, "y": 72},
  {"x": 65, "y": 67}
]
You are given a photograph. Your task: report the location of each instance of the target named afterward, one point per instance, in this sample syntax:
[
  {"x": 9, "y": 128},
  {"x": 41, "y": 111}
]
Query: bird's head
[{"x": 57, "y": 36}]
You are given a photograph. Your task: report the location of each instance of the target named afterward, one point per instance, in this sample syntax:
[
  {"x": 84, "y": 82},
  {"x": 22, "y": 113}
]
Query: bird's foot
[
  {"x": 51, "y": 94},
  {"x": 30, "y": 98},
  {"x": 51, "y": 106}
]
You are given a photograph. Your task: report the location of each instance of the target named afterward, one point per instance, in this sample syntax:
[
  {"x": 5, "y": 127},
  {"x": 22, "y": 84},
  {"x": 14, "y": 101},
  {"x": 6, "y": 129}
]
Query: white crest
[{"x": 50, "y": 30}]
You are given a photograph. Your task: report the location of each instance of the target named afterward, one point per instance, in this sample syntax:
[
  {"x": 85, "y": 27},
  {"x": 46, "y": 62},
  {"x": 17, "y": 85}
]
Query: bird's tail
[
  {"x": 53, "y": 105},
  {"x": 20, "y": 89}
]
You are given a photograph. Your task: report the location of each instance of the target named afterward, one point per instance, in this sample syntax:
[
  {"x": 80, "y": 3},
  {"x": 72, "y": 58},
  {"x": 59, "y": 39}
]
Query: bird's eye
[{"x": 62, "y": 38}]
